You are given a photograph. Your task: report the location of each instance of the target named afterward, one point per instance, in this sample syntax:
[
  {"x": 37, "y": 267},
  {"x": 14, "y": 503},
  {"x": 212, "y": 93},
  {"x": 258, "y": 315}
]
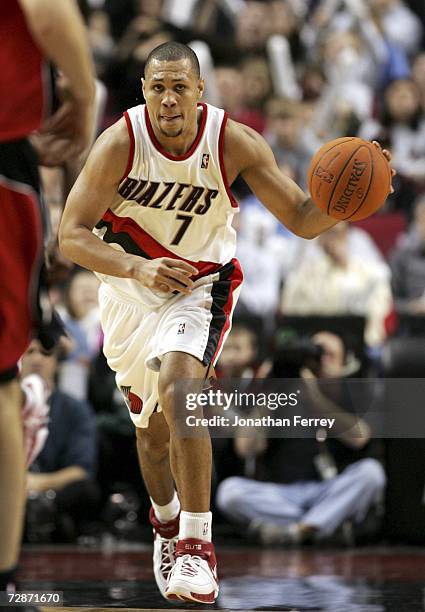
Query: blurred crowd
[{"x": 301, "y": 72}]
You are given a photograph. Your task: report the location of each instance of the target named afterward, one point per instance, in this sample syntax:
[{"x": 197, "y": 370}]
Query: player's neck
[{"x": 179, "y": 145}]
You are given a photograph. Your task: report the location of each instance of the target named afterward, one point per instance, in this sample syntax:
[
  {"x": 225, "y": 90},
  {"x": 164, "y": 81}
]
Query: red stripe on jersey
[
  {"x": 150, "y": 246},
  {"x": 131, "y": 151},
  {"x": 194, "y": 145},
  {"x": 231, "y": 197},
  {"x": 236, "y": 281}
]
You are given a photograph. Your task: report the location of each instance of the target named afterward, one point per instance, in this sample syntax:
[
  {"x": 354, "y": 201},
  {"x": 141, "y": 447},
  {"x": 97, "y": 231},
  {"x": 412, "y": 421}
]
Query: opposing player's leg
[
  {"x": 154, "y": 459},
  {"x": 12, "y": 479},
  {"x": 20, "y": 259},
  {"x": 194, "y": 575}
]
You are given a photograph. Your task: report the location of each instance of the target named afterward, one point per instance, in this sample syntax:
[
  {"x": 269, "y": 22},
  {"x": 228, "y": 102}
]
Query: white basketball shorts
[{"x": 136, "y": 337}]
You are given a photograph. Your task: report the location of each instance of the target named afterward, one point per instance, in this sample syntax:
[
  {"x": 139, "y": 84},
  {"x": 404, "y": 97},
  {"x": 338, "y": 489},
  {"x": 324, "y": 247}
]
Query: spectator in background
[
  {"x": 257, "y": 89},
  {"x": 305, "y": 489},
  {"x": 101, "y": 40},
  {"x": 239, "y": 355},
  {"x": 401, "y": 128},
  {"x": 347, "y": 97},
  {"x": 408, "y": 266},
  {"x": 256, "y": 251},
  {"x": 398, "y": 23},
  {"x": 335, "y": 282},
  {"x": 418, "y": 75},
  {"x": 285, "y": 121},
  {"x": 81, "y": 318},
  {"x": 253, "y": 27},
  {"x": 232, "y": 90},
  {"x": 64, "y": 470}
]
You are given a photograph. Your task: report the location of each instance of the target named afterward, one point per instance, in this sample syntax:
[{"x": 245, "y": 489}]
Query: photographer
[{"x": 305, "y": 489}]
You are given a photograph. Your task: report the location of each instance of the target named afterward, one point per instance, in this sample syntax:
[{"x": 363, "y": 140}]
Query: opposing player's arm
[
  {"x": 92, "y": 194},
  {"x": 58, "y": 29},
  {"x": 280, "y": 194}
]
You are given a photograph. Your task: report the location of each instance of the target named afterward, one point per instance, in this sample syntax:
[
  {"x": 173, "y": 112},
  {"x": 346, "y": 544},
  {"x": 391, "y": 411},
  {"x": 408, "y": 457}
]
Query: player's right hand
[{"x": 166, "y": 274}]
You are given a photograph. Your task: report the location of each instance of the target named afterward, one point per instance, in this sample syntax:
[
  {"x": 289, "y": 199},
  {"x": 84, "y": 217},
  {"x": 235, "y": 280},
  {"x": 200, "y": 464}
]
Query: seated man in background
[
  {"x": 338, "y": 283},
  {"x": 61, "y": 479},
  {"x": 305, "y": 489},
  {"x": 408, "y": 266}
]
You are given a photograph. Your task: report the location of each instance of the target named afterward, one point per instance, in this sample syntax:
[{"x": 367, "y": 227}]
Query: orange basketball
[{"x": 349, "y": 178}]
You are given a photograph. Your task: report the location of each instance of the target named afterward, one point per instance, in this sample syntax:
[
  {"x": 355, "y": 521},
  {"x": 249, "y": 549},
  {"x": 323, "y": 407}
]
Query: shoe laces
[
  {"x": 190, "y": 565},
  {"x": 168, "y": 547}
]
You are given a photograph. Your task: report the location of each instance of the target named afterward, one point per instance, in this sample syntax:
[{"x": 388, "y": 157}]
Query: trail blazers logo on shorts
[
  {"x": 133, "y": 401},
  {"x": 205, "y": 160},
  {"x": 181, "y": 328}
]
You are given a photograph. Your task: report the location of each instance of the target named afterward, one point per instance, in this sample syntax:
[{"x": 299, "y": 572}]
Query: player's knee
[
  {"x": 166, "y": 392},
  {"x": 156, "y": 448}
]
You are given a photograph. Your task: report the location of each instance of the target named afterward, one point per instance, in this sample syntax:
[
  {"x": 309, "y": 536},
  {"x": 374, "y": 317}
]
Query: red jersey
[{"x": 21, "y": 75}]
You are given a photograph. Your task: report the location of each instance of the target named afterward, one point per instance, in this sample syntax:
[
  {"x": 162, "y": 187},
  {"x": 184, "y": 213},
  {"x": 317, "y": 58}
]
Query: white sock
[
  {"x": 195, "y": 525},
  {"x": 169, "y": 511}
]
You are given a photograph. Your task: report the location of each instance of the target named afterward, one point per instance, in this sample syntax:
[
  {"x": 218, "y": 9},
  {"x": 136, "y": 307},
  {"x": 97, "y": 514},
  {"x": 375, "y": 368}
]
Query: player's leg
[
  {"x": 154, "y": 459},
  {"x": 193, "y": 576},
  {"x": 127, "y": 328},
  {"x": 190, "y": 457},
  {"x": 20, "y": 254},
  {"x": 12, "y": 479}
]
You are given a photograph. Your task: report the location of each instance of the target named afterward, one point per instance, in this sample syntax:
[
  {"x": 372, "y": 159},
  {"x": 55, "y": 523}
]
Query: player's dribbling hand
[
  {"x": 387, "y": 156},
  {"x": 166, "y": 275}
]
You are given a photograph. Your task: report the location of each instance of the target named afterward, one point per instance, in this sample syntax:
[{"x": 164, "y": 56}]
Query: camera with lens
[{"x": 293, "y": 353}]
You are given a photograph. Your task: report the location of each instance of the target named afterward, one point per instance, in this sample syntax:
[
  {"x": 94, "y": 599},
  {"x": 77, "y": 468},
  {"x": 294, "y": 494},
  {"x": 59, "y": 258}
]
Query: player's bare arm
[
  {"x": 89, "y": 199},
  {"x": 248, "y": 154},
  {"x": 58, "y": 29}
]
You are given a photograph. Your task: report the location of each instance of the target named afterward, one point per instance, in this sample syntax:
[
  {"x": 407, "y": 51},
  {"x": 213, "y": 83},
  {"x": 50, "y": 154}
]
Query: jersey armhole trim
[
  {"x": 230, "y": 195},
  {"x": 131, "y": 152}
]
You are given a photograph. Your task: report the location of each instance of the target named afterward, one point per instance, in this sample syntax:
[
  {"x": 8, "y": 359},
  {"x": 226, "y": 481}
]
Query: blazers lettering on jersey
[{"x": 143, "y": 193}]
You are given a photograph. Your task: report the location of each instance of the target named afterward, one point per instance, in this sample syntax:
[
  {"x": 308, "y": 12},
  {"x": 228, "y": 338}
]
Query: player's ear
[
  {"x": 201, "y": 86},
  {"x": 142, "y": 80}
]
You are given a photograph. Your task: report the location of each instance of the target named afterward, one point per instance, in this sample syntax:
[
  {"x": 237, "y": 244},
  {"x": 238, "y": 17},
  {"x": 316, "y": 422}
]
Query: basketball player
[
  {"x": 151, "y": 213},
  {"x": 29, "y": 30}
]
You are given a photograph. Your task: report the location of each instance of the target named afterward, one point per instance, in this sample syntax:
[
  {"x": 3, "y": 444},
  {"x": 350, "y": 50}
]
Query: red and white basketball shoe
[
  {"x": 165, "y": 536},
  {"x": 194, "y": 575}
]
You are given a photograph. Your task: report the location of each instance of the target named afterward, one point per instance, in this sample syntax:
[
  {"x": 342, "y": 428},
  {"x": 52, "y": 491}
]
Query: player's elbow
[
  {"x": 65, "y": 240},
  {"x": 305, "y": 232}
]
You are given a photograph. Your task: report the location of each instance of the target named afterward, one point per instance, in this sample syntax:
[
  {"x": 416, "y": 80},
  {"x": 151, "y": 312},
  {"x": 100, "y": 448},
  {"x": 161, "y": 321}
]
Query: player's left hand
[{"x": 387, "y": 156}]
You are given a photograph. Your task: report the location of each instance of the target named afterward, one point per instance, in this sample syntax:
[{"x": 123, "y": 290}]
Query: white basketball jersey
[{"x": 174, "y": 206}]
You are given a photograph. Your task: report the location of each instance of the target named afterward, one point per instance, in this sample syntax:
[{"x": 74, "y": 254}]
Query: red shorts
[{"x": 21, "y": 247}]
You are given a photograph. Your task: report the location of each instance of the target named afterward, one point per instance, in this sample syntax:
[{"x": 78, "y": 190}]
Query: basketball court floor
[{"x": 118, "y": 576}]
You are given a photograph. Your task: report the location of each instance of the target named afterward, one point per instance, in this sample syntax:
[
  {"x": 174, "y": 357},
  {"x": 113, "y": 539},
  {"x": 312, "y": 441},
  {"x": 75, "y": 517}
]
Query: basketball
[{"x": 349, "y": 178}]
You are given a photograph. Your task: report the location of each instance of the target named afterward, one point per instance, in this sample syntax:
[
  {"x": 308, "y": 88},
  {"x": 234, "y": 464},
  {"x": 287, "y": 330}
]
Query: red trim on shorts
[
  {"x": 236, "y": 281},
  {"x": 230, "y": 195},
  {"x": 20, "y": 254},
  {"x": 132, "y": 145},
  {"x": 194, "y": 145},
  {"x": 152, "y": 247}
]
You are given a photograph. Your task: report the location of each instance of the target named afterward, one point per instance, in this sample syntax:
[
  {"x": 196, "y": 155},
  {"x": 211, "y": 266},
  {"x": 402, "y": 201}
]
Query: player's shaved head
[{"x": 172, "y": 52}]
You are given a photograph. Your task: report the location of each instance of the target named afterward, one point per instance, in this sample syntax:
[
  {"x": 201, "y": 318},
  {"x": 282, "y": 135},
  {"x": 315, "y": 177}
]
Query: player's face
[{"x": 172, "y": 91}]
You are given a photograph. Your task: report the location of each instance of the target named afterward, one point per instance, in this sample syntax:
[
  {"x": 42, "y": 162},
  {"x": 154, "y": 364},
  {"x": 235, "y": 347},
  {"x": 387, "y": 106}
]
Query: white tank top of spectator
[{"x": 172, "y": 206}]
